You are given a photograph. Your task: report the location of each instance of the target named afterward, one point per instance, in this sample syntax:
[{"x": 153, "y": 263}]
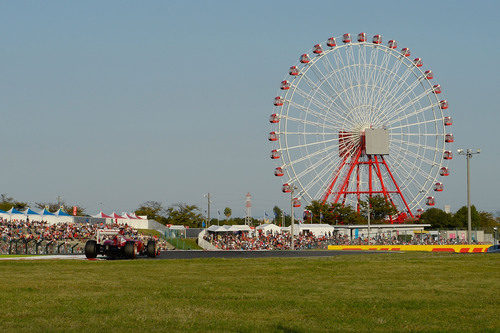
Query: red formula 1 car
[{"x": 113, "y": 243}]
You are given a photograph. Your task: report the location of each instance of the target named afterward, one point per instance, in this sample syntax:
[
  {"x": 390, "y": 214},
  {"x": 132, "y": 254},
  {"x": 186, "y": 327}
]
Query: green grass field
[
  {"x": 374, "y": 292},
  {"x": 184, "y": 243}
]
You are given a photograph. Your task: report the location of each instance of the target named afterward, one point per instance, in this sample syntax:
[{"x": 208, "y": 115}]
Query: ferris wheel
[{"x": 359, "y": 118}]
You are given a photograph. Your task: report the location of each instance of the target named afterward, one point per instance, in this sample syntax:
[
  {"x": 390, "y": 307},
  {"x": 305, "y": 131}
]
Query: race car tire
[
  {"x": 151, "y": 249},
  {"x": 91, "y": 249},
  {"x": 129, "y": 250}
]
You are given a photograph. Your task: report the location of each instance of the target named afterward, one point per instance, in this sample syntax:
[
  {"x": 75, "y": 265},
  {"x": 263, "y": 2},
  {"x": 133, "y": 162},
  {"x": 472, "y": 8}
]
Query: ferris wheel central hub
[{"x": 376, "y": 141}]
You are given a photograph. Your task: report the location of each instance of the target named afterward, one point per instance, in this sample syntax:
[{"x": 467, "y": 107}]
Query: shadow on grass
[{"x": 287, "y": 329}]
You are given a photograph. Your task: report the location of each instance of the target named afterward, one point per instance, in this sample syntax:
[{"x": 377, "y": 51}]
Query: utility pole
[
  {"x": 248, "y": 206},
  {"x": 208, "y": 210},
  {"x": 282, "y": 219},
  {"x": 468, "y": 155}
]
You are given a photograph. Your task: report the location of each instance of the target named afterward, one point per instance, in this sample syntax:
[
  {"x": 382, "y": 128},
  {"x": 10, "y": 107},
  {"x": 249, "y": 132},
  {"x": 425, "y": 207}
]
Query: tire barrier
[
  {"x": 32, "y": 246},
  {"x": 473, "y": 248}
]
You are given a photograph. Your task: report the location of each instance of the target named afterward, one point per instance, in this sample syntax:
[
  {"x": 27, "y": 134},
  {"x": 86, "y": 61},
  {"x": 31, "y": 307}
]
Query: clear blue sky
[{"x": 119, "y": 102}]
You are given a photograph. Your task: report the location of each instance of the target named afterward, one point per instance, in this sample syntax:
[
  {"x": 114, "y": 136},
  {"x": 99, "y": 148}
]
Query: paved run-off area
[{"x": 369, "y": 292}]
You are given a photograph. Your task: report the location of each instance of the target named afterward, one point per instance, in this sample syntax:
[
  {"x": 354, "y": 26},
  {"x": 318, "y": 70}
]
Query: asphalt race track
[{"x": 177, "y": 254}]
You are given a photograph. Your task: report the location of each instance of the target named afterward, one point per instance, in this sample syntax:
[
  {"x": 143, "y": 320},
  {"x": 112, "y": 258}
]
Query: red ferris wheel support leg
[
  {"x": 397, "y": 187},
  {"x": 354, "y": 162},
  {"x": 357, "y": 188},
  {"x": 377, "y": 162},
  {"x": 384, "y": 189},
  {"x": 332, "y": 184}
]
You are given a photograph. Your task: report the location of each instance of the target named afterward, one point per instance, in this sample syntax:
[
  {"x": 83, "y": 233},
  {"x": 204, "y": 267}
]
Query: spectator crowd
[
  {"x": 69, "y": 233},
  {"x": 307, "y": 240}
]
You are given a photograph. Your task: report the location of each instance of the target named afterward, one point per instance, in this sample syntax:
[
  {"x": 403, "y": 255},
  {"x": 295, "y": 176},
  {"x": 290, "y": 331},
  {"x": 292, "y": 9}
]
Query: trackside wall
[{"x": 425, "y": 248}]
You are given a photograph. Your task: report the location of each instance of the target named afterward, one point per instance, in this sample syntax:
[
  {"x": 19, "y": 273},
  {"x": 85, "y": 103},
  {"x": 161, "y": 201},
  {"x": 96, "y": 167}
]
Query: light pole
[
  {"x": 292, "y": 190},
  {"x": 368, "y": 209},
  {"x": 495, "y": 236},
  {"x": 468, "y": 155}
]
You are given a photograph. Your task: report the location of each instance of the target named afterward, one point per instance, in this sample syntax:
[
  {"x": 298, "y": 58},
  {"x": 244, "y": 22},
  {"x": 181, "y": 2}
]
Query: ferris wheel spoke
[
  {"x": 412, "y": 172},
  {"x": 307, "y": 122},
  {"x": 327, "y": 122},
  {"x": 414, "y": 181},
  {"x": 402, "y": 94},
  {"x": 397, "y": 106},
  {"x": 357, "y": 73},
  {"x": 327, "y": 173},
  {"x": 324, "y": 79},
  {"x": 397, "y": 103},
  {"x": 343, "y": 76},
  {"x": 386, "y": 85},
  {"x": 393, "y": 119},
  {"x": 349, "y": 147},
  {"x": 313, "y": 167},
  {"x": 323, "y": 187},
  {"x": 312, "y": 144},
  {"x": 412, "y": 168},
  {"x": 352, "y": 73},
  {"x": 416, "y": 123},
  {"x": 339, "y": 75},
  {"x": 372, "y": 75},
  {"x": 414, "y": 134},
  {"x": 411, "y": 196},
  {"x": 420, "y": 158},
  {"x": 320, "y": 109},
  {"x": 326, "y": 96},
  {"x": 306, "y": 157},
  {"x": 394, "y": 85},
  {"x": 317, "y": 87},
  {"x": 310, "y": 133},
  {"x": 328, "y": 115},
  {"x": 319, "y": 176},
  {"x": 409, "y": 143}
]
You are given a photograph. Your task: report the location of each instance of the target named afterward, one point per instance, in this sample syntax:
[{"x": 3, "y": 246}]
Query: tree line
[
  {"x": 7, "y": 202},
  {"x": 328, "y": 213}
]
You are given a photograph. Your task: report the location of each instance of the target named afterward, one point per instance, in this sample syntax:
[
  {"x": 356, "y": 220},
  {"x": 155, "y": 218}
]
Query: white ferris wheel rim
[{"x": 415, "y": 164}]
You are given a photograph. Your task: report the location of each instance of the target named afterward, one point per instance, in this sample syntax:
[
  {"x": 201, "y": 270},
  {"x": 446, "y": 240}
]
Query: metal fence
[{"x": 23, "y": 246}]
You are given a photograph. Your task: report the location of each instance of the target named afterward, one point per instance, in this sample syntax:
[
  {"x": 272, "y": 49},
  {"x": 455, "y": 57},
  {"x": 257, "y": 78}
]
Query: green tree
[
  {"x": 277, "y": 214},
  {"x": 460, "y": 217},
  {"x": 321, "y": 212},
  {"x": 153, "y": 210},
  {"x": 227, "y": 212},
  {"x": 7, "y": 203},
  {"x": 54, "y": 206},
  {"x": 380, "y": 208},
  {"x": 184, "y": 214},
  {"x": 479, "y": 220},
  {"x": 333, "y": 213},
  {"x": 346, "y": 215},
  {"x": 437, "y": 218},
  {"x": 487, "y": 222}
]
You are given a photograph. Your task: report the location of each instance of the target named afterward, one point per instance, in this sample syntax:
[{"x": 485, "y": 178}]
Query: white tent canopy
[
  {"x": 315, "y": 229},
  {"x": 269, "y": 228},
  {"x": 229, "y": 228}
]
